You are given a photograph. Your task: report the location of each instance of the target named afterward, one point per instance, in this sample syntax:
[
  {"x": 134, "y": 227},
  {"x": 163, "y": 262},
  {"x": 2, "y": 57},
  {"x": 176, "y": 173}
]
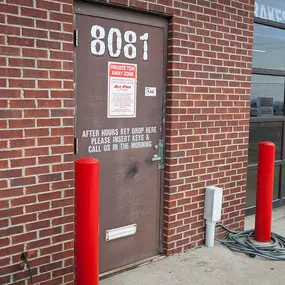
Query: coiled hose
[{"x": 244, "y": 242}]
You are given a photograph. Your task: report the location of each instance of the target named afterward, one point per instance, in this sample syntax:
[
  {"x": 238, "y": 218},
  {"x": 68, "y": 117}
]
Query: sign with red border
[{"x": 122, "y": 90}]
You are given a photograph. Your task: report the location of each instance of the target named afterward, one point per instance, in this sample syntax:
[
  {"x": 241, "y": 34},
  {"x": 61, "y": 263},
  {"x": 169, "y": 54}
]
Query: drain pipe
[{"x": 212, "y": 212}]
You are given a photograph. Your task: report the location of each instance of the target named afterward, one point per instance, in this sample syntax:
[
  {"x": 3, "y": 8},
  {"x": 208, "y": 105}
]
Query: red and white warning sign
[{"x": 122, "y": 90}]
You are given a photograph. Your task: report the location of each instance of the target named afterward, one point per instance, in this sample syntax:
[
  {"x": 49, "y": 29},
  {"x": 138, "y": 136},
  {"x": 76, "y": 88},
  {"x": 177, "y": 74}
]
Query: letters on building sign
[{"x": 270, "y": 11}]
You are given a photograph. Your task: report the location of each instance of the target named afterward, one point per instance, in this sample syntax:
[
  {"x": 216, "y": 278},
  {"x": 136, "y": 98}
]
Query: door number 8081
[{"x": 98, "y": 46}]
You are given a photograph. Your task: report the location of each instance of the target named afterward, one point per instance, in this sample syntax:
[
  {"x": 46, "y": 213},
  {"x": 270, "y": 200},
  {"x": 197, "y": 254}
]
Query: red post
[
  {"x": 87, "y": 221},
  {"x": 264, "y": 191}
]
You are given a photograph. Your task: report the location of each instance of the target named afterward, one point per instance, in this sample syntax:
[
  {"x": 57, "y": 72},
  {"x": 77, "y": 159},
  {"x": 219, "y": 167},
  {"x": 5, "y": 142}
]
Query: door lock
[{"x": 159, "y": 157}]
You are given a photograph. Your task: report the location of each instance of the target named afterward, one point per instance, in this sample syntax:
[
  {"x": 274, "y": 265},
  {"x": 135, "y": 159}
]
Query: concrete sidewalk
[{"x": 205, "y": 266}]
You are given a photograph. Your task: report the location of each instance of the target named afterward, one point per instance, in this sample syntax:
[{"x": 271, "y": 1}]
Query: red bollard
[
  {"x": 264, "y": 191},
  {"x": 87, "y": 221}
]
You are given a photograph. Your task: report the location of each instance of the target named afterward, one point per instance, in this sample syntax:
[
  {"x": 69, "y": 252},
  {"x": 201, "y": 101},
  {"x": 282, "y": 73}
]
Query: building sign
[
  {"x": 273, "y": 10},
  {"x": 122, "y": 89}
]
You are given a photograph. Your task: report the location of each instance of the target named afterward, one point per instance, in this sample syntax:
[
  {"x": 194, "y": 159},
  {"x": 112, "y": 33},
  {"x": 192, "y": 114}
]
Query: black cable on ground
[
  {"x": 24, "y": 258},
  {"x": 244, "y": 242}
]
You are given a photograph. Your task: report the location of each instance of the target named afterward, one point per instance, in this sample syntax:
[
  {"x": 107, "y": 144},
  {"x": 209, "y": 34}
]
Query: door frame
[{"x": 104, "y": 10}]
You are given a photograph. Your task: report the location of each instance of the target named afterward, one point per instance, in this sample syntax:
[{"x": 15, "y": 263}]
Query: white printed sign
[
  {"x": 106, "y": 140},
  {"x": 150, "y": 91},
  {"x": 122, "y": 90}
]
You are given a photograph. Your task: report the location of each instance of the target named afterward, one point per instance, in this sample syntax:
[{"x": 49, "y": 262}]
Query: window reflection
[
  {"x": 251, "y": 186},
  {"x": 267, "y": 96},
  {"x": 268, "y": 47},
  {"x": 259, "y": 132}
]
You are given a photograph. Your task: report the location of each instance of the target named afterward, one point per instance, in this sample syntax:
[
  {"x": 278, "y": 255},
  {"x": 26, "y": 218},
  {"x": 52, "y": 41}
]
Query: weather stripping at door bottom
[{"x": 121, "y": 232}]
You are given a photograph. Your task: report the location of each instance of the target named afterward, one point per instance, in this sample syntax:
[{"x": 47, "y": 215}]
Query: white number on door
[
  {"x": 98, "y": 46},
  {"x": 112, "y": 32},
  {"x": 130, "y": 51},
  {"x": 144, "y": 38}
]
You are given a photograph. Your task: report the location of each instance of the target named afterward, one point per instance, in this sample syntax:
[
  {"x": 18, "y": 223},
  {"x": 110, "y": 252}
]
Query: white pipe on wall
[
  {"x": 212, "y": 212},
  {"x": 210, "y": 233}
]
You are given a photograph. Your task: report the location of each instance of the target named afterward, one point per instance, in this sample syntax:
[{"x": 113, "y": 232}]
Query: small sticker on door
[{"x": 150, "y": 91}]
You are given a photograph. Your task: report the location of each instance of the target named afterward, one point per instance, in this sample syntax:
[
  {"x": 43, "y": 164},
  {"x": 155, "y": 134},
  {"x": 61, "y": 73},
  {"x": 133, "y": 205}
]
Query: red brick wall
[
  {"x": 36, "y": 138},
  {"x": 209, "y": 67},
  {"x": 209, "y": 73}
]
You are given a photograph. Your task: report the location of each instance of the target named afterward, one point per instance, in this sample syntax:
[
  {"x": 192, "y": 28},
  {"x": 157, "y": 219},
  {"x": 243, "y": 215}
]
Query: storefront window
[
  {"x": 259, "y": 132},
  {"x": 268, "y": 47},
  {"x": 267, "y": 96},
  {"x": 251, "y": 186},
  {"x": 267, "y": 120}
]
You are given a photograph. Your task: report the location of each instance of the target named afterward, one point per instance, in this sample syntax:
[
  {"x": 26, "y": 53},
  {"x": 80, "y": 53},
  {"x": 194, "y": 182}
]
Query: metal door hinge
[
  {"x": 75, "y": 35},
  {"x": 76, "y": 145}
]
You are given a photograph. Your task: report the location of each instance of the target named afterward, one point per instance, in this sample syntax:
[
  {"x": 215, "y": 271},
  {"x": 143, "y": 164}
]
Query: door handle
[
  {"x": 156, "y": 158},
  {"x": 160, "y": 156}
]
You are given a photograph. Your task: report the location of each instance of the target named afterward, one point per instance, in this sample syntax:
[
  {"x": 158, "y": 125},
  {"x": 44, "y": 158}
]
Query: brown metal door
[{"x": 120, "y": 86}]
